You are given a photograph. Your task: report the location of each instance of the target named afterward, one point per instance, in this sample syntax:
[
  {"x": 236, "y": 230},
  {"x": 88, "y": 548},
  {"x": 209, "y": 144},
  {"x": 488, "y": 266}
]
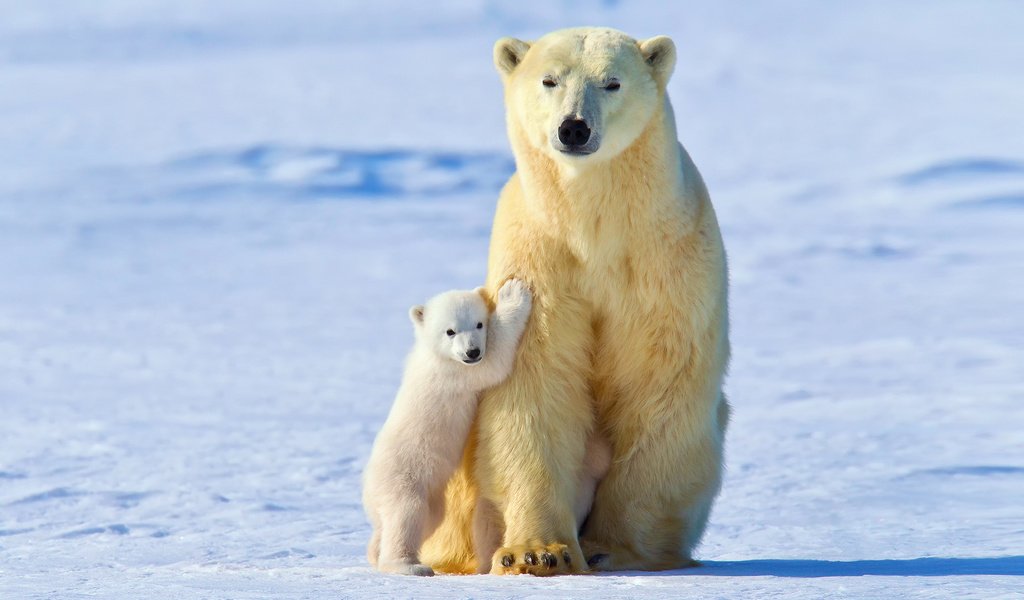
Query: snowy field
[{"x": 214, "y": 216}]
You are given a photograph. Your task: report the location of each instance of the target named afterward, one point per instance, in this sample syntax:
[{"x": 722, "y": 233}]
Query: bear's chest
[{"x": 623, "y": 266}]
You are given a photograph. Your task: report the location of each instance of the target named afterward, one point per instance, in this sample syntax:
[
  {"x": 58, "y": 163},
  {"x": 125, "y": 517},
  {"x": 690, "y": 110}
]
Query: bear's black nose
[
  {"x": 573, "y": 132},
  {"x": 473, "y": 353}
]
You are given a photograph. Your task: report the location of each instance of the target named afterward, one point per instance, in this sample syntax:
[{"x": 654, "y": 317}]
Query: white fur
[{"x": 422, "y": 440}]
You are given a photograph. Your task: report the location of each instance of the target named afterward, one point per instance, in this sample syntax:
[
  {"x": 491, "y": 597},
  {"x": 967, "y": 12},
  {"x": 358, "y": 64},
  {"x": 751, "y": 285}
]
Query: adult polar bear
[{"x": 609, "y": 222}]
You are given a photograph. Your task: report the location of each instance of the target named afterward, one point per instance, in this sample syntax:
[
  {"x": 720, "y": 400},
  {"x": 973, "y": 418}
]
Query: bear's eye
[
  {"x": 451, "y": 333},
  {"x": 612, "y": 86},
  {"x": 549, "y": 82},
  {"x": 479, "y": 325}
]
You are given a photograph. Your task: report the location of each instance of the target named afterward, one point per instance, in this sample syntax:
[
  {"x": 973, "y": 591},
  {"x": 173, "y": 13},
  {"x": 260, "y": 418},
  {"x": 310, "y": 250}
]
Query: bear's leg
[
  {"x": 401, "y": 535},
  {"x": 651, "y": 509},
  {"x": 596, "y": 463},
  {"x": 531, "y": 437}
]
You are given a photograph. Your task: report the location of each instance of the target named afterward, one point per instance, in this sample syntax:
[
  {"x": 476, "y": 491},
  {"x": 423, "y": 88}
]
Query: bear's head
[
  {"x": 585, "y": 94},
  {"x": 454, "y": 325}
]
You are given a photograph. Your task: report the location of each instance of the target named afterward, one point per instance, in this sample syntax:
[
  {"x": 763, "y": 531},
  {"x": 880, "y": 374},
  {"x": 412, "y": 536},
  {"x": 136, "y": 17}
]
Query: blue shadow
[
  {"x": 315, "y": 173},
  {"x": 914, "y": 567}
]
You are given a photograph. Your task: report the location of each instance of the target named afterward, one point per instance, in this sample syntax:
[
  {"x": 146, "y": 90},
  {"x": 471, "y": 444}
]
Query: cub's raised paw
[
  {"x": 513, "y": 293},
  {"x": 537, "y": 559}
]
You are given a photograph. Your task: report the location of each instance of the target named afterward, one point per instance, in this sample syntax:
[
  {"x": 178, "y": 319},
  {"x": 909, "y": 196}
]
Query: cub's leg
[
  {"x": 487, "y": 532},
  {"x": 373, "y": 550},
  {"x": 402, "y": 532}
]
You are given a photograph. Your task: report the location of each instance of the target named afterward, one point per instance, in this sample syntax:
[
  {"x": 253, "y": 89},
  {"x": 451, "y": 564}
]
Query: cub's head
[
  {"x": 583, "y": 94},
  {"x": 454, "y": 325}
]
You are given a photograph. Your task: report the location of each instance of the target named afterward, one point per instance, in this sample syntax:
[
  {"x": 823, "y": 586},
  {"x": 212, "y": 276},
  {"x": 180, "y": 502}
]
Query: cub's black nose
[
  {"x": 473, "y": 353},
  {"x": 573, "y": 132}
]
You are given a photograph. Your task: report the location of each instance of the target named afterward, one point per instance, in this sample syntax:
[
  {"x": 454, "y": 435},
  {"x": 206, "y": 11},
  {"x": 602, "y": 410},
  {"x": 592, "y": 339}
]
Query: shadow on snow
[
  {"x": 914, "y": 567},
  {"x": 272, "y": 170}
]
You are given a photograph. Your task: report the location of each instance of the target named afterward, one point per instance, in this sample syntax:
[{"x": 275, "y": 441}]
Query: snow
[{"x": 214, "y": 216}]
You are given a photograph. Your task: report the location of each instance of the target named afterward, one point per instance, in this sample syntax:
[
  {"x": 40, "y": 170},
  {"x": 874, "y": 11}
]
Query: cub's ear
[
  {"x": 660, "y": 53},
  {"x": 482, "y": 291},
  {"x": 508, "y": 53},
  {"x": 416, "y": 315}
]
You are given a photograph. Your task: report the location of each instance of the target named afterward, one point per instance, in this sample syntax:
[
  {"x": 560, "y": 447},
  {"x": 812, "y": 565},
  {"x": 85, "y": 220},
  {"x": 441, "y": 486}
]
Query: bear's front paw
[
  {"x": 514, "y": 294},
  {"x": 537, "y": 559}
]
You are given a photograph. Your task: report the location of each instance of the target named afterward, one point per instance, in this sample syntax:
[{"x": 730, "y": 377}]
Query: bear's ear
[
  {"x": 660, "y": 53},
  {"x": 416, "y": 315},
  {"x": 508, "y": 53}
]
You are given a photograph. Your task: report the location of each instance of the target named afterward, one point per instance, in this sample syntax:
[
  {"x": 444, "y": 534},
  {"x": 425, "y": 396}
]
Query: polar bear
[
  {"x": 460, "y": 350},
  {"x": 609, "y": 222}
]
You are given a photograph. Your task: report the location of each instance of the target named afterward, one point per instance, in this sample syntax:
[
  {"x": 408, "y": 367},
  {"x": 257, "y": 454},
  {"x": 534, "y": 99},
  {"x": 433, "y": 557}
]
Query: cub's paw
[
  {"x": 402, "y": 568},
  {"x": 515, "y": 293},
  {"x": 537, "y": 559}
]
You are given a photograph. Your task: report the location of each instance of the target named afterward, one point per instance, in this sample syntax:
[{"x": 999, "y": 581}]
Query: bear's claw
[{"x": 538, "y": 559}]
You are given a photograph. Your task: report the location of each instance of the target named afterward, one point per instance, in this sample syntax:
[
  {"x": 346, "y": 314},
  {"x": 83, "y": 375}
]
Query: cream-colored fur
[
  {"x": 629, "y": 334},
  {"x": 487, "y": 530},
  {"x": 461, "y": 349}
]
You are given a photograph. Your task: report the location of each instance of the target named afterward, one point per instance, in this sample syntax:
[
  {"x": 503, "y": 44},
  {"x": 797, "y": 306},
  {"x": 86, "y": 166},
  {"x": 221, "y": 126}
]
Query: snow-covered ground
[{"x": 213, "y": 217}]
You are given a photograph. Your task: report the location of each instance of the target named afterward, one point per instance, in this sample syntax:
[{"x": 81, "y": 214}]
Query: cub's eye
[
  {"x": 451, "y": 333},
  {"x": 549, "y": 82},
  {"x": 612, "y": 86},
  {"x": 479, "y": 325}
]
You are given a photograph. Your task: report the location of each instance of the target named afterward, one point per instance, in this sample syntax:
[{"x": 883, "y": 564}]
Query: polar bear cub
[{"x": 461, "y": 349}]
